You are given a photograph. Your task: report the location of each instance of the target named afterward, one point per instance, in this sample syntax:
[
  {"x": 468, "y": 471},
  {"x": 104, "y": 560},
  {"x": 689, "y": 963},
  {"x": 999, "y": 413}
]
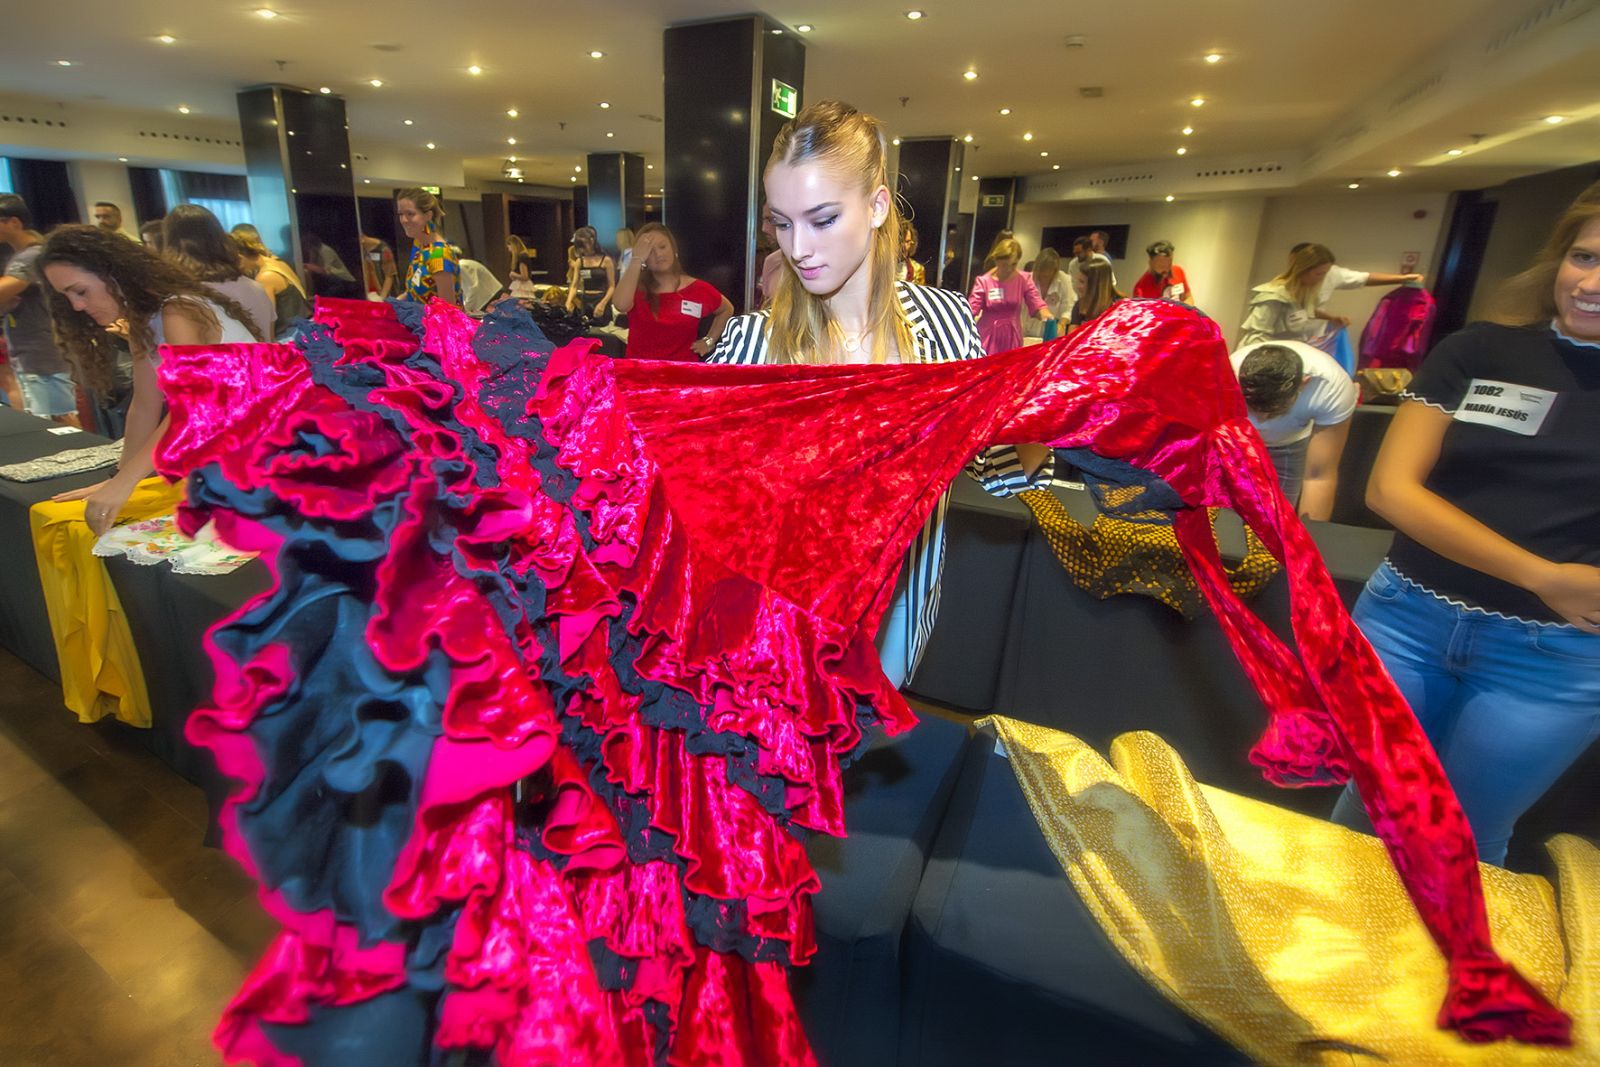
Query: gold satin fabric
[
  {"x": 1137, "y": 554},
  {"x": 100, "y": 672},
  {"x": 1289, "y": 936}
]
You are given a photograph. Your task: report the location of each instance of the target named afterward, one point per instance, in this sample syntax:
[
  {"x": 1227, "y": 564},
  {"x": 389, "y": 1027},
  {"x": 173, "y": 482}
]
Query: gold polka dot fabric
[
  {"x": 1137, "y": 552},
  {"x": 1290, "y": 936}
]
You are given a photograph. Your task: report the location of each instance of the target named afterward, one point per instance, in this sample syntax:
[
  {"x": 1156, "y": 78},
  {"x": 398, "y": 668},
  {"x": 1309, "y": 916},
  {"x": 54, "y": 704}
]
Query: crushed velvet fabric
[{"x": 564, "y": 656}]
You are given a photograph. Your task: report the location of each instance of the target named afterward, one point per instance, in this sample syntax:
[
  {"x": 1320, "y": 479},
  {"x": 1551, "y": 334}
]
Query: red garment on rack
[{"x": 748, "y": 524}]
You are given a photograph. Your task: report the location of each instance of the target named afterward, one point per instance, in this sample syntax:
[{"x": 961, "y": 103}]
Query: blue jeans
[
  {"x": 48, "y": 395},
  {"x": 1508, "y": 705}
]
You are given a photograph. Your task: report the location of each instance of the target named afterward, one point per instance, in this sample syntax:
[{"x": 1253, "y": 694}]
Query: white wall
[
  {"x": 1227, "y": 245},
  {"x": 1365, "y": 231},
  {"x": 95, "y": 180},
  {"x": 1215, "y": 242}
]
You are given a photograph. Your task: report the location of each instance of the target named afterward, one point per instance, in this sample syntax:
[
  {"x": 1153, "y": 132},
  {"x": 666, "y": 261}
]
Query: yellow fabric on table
[
  {"x": 100, "y": 673},
  {"x": 1290, "y": 936}
]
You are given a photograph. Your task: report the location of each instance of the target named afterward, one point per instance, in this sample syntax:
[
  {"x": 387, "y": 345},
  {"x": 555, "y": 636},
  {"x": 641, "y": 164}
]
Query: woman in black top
[
  {"x": 594, "y": 276},
  {"x": 1487, "y": 611}
]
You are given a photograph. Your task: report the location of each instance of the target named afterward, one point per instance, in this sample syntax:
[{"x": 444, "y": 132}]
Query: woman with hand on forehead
[{"x": 837, "y": 299}]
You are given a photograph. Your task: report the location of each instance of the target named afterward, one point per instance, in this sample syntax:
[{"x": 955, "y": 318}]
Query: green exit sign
[
  {"x": 785, "y": 99},
  {"x": 434, "y": 189}
]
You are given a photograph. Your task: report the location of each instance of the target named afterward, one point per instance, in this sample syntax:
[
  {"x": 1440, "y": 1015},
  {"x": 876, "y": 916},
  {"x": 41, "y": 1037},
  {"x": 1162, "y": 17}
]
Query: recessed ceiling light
[
  {"x": 1055, "y": 166},
  {"x": 430, "y": 146},
  {"x": 1005, "y": 111},
  {"x": 1394, "y": 172},
  {"x": 511, "y": 140},
  {"x": 1213, "y": 57},
  {"x": 597, "y": 54},
  {"x": 1043, "y": 154},
  {"x": 1170, "y": 198},
  {"x": 511, "y": 112},
  {"x": 183, "y": 109},
  {"x": 604, "y": 104},
  {"x": 974, "y": 177},
  {"x": 409, "y": 122},
  {"x": 266, "y": 12},
  {"x": 1183, "y": 151},
  {"x": 324, "y": 90},
  {"x": 804, "y": 27},
  {"x": 519, "y": 179},
  {"x": 913, "y": 15},
  {"x": 609, "y": 133},
  {"x": 366, "y": 181},
  {"x": 958, "y": 170},
  {"x": 474, "y": 70},
  {"x": 649, "y": 166},
  {"x": 1198, "y": 101},
  {"x": 1453, "y": 152},
  {"x": 512, "y": 159},
  {"x": 1188, "y": 130},
  {"x": 967, "y": 138},
  {"x": 1353, "y": 185},
  {"x": 1555, "y": 120},
  {"x": 578, "y": 168},
  {"x": 122, "y": 159},
  {"x": 1028, "y": 136},
  {"x": 776, "y": 33},
  {"x": 63, "y": 62},
  {"x": 574, "y": 177},
  {"x": 167, "y": 38},
  {"x": 376, "y": 83},
  {"x": 895, "y": 141},
  {"x": 970, "y": 74}
]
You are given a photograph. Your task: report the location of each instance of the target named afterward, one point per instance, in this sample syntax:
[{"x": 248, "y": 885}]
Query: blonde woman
[
  {"x": 840, "y": 301},
  {"x": 1053, "y": 284},
  {"x": 289, "y": 301},
  {"x": 1285, "y": 309},
  {"x": 1000, "y": 297}
]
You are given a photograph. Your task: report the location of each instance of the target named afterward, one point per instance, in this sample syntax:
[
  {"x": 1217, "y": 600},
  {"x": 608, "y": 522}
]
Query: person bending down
[{"x": 1300, "y": 400}]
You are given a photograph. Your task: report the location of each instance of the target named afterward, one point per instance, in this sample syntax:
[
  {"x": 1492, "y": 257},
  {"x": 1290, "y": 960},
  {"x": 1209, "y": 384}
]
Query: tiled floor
[{"x": 121, "y": 936}]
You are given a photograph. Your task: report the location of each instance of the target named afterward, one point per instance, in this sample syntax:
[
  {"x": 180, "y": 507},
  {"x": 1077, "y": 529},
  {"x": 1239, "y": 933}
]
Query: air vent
[
  {"x": 1234, "y": 172},
  {"x": 650, "y": 118},
  {"x": 33, "y": 120},
  {"x": 1123, "y": 179},
  {"x": 157, "y": 135},
  {"x": 1539, "y": 18},
  {"x": 1091, "y": 92},
  {"x": 1417, "y": 90},
  {"x": 388, "y": 47}
]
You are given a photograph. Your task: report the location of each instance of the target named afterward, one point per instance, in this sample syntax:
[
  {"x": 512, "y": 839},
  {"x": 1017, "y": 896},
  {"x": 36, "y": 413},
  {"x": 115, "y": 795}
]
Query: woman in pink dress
[{"x": 999, "y": 297}]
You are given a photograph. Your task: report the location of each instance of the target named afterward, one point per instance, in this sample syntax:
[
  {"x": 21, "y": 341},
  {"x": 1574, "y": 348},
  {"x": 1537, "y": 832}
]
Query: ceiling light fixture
[
  {"x": 967, "y": 138},
  {"x": 1394, "y": 172},
  {"x": 1055, "y": 166},
  {"x": 1170, "y": 198},
  {"x": 324, "y": 90},
  {"x": 609, "y": 133},
  {"x": 574, "y": 177},
  {"x": 974, "y": 177},
  {"x": 266, "y": 13},
  {"x": 776, "y": 33},
  {"x": 63, "y": 62},
  {"x": 1005, "y": 111},
  {"x": 409, "y": 122},
  {"x": 1198, "y": 101},
  {"x": 597, "y": 54},
  {"x": 895, "y": 141},
  {"x": 1555, "y": 120},
  {"x": 578, "y": 168},
  {"x": 183, "y": 109},
  {"x": 474, "y": 70},
  {"x": 122, "y": 159},
  {"x": 1453, "y": 152},
  {"x": 1183, "y": 151},
  {"x": 511, "y": 140},
  {"x": 511, "y": 112},
  {"x": 376, "y": 83},
  {"x": 430, "y": 146},
  {"x": 604, "y": 104},
  {"x": 1213, "y": 57},
  {"x": 804, "y": 27},
  {"x": 649, "y": 166},
  {"x": 1188, "y": 131},
  {"x": 1028, "y": 136},
  {"x": 970, "y": 74},
  {"x": 167, "y": 38},
  {"x": 913, "y": 15},
  {"x": 1353, "y": 185},
  {"x": 366, "y": 181}
]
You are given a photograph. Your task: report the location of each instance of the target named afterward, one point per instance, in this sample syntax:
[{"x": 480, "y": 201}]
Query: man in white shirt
[
  {"x": 1083, "y": 254},
  {"x": 1300, "y": 400}
]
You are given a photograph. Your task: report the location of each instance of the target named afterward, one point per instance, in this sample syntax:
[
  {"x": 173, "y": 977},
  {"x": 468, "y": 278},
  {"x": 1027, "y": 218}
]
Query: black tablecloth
[
  {"x": 1005, "y": 966},
  {"x": 24, "y": 623}
]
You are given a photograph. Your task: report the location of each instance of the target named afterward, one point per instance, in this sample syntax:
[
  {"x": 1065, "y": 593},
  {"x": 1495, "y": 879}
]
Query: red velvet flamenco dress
[{"x": 564, "y": 656}]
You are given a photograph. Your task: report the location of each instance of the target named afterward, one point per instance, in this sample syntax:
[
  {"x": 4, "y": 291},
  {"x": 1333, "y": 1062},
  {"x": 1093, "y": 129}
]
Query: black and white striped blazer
[{"x": 943, "y": 327}]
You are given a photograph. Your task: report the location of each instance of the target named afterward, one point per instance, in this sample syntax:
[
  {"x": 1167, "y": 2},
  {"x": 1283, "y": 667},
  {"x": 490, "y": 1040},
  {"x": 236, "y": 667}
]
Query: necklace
[{"x": 851, "y": 342}]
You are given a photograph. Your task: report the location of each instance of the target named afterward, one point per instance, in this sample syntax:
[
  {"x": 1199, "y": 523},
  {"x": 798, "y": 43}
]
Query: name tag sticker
[
  {"x": 1505, "y": 406},
  {"x": 691, "y": 309},
  {"x": 996, "y": 295}
]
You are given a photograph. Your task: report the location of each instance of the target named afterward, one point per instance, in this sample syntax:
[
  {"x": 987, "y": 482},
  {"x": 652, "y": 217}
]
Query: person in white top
[
  {"x": 1300, "y": 401},
  {"x": 1344, "y": 278},
  {"x": 102, "y": 283},
  {"x": 1083, "y": 254}
]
